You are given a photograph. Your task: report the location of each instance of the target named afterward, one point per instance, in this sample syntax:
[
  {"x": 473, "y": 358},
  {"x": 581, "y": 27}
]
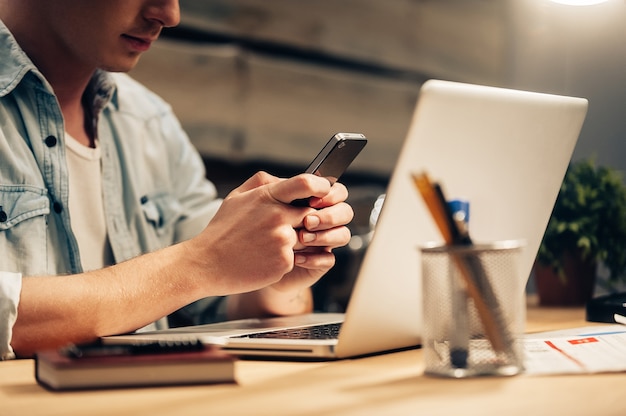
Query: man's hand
[
  {"x": 273, "y": 252},
  {"x": 323, "y": 230}
]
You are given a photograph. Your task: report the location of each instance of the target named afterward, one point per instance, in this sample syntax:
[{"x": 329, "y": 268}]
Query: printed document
[{"x": 585, "y": 350}]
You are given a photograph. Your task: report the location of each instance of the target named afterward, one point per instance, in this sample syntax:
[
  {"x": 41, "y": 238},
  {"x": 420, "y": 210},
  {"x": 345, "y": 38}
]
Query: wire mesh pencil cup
[{"x": 474, "y": 309}]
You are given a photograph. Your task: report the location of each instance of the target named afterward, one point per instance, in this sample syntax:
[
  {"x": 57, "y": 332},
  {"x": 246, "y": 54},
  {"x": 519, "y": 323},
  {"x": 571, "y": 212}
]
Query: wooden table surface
[{"x": 387, "y": 384}]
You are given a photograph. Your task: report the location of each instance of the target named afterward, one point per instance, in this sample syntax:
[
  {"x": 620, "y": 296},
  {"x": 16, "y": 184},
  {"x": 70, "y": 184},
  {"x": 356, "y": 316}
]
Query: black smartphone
[{"x": 334, "y": 158}]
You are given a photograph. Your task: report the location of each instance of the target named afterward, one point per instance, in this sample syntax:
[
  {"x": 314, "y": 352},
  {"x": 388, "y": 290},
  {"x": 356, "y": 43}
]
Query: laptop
[{"x": 506, "y": 151}]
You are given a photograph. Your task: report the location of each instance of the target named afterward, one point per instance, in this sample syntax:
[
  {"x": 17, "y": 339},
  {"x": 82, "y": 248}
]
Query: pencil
[{"x": 433, "y": 203}]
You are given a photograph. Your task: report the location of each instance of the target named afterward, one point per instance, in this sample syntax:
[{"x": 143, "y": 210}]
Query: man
[{"x": 106, "y": 220}]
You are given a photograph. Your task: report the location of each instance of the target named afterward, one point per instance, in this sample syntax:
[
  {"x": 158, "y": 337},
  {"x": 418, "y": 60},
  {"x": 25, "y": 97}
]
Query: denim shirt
[{"x": 154, "y": 188}]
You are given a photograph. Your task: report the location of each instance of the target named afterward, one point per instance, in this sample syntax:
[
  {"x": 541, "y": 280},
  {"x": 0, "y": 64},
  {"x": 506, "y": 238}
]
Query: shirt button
[
  {"x": 50, "y": 141},
  {"x": 3, "y": 215},
  {"x": 57, "y": 207}
]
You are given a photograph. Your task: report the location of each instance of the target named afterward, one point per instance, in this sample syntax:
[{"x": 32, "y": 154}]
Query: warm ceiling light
[{"x": 579, "y": 2}]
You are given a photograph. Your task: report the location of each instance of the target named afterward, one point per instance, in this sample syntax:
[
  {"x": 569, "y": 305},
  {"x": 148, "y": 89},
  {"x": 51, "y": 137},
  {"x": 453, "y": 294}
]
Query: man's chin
[{"x": 122, "y": 66}]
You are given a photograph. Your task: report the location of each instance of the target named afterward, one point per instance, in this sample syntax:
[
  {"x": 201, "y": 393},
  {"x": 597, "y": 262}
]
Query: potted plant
[{"x": 587, "y": 228}]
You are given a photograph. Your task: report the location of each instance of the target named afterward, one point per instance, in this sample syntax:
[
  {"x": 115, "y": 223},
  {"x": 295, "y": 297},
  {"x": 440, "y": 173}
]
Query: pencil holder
[{"x": 474, "y": 309}]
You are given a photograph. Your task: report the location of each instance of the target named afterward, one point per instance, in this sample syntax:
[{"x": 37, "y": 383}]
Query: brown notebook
[{"x": 57, "y": 370}]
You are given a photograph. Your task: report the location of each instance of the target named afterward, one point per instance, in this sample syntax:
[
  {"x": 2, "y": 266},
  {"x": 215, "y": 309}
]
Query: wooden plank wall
[{"x": 272, "y": 80}]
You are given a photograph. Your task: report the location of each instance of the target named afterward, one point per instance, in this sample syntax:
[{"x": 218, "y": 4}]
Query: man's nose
[{"x": 166, "y": 12}]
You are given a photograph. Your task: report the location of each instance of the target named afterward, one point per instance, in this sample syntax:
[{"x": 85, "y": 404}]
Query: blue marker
[
  {"x": 459, "y": 338},
  {"x": 461, "y": 206}
]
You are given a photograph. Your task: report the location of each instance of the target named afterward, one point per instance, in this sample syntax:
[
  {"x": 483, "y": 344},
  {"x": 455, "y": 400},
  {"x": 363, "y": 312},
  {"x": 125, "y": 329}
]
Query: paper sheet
[{"x": 585, "y": 350}]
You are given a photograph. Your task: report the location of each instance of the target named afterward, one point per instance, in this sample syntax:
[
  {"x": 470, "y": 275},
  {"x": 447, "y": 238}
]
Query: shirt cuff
[{"x": 10, "y": 288}]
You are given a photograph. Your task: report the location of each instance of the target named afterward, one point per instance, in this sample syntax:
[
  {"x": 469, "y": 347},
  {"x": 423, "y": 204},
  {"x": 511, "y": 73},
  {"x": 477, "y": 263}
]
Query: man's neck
[
  {"x": 75, "y": 117},
  {"x": 70, "y": 93}
]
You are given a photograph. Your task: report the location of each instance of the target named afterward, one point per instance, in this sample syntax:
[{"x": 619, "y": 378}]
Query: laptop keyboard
[{"x": 324, "y": 331}]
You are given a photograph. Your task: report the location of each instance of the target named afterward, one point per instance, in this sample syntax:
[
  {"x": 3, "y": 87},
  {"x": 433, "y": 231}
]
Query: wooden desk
[{"x": 389, "y": 384}]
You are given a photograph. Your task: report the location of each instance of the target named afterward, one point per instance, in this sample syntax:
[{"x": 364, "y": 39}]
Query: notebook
[{"x": 506, "y": 151}]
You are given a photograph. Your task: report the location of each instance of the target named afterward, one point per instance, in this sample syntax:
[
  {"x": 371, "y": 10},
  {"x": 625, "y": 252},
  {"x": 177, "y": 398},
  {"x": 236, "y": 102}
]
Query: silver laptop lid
[{"x": 506, "y": 151}]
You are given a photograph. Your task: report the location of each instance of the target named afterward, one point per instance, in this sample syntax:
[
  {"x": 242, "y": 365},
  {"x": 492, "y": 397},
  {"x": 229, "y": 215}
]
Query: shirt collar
[
  {"x": 15, "y": 64},
  {"x": 101, "y": 91}
]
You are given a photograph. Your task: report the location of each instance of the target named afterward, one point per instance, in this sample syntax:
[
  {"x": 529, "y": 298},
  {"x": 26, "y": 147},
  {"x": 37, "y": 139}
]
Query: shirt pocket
[
  {"x": 24, "y": 214},
  {"x": 162, "y": 211},
  {"x": 21, "y": 203}
]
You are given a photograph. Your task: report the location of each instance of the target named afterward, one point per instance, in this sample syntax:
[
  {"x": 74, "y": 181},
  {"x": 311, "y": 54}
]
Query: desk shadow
[
  {"x": 21, "y": 389},
  {"x": 353, "y": 385}
]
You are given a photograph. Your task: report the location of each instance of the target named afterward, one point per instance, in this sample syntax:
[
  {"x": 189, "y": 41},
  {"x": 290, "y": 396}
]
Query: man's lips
[{"x": 140, "y": 44}]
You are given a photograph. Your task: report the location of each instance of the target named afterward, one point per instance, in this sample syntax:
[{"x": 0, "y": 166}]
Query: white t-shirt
[{"x": 86, "y": 206}]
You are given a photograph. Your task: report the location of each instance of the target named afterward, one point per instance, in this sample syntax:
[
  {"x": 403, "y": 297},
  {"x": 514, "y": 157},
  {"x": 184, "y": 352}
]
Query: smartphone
[{"x": 334, "y": 158}]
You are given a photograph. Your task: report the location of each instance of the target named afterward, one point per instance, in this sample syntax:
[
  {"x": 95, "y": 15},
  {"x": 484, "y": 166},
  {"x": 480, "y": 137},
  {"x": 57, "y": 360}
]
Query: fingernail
[
  {"x": 312, "y": 221},
  {"x": 299, "y": 259},
  {"x": 308, "y": 237}
]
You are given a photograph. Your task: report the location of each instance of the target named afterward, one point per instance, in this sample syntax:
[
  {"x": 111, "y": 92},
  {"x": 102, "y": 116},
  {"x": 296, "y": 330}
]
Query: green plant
[{"x": 589, "y": 218}]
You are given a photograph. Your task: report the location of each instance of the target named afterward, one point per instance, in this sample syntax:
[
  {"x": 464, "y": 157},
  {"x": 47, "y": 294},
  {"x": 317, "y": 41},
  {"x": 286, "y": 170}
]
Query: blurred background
[{"x": 263, "y": 84}]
